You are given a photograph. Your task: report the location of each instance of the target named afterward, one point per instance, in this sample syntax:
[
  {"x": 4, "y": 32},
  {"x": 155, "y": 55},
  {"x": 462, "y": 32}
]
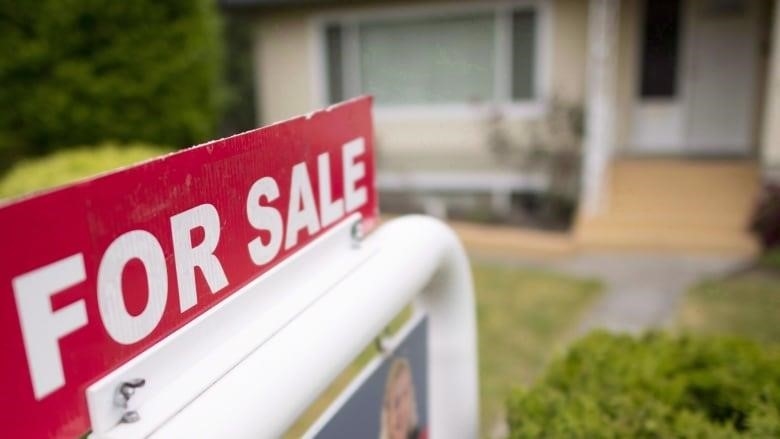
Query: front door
[{"x": 697, "y": 83}]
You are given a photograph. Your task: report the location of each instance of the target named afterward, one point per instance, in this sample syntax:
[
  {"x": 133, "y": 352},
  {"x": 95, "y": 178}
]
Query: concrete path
[{"x": 642, "y": 291}]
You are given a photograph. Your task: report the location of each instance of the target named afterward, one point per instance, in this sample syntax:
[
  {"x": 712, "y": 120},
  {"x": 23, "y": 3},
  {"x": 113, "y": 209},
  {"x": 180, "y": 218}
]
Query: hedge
[
  {"x": 765, "y": 223},
  {"x": 63, "y": 167},
  {"x": 656, "y": 386},
  {"x": 78, "y": 72}
]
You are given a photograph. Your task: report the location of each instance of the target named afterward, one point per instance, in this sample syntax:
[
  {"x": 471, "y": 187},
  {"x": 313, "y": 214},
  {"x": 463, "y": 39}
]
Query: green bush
[
  {"x": 80, "y": 72},
  {"x": 65, "y": 166},
  {"x": 654, "y": 387}
]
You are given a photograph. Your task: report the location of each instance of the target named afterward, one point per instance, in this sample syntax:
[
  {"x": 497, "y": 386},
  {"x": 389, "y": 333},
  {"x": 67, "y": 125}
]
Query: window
[
  {"x": 487, "y": 55},
  {"x": 660, "y": 47}
]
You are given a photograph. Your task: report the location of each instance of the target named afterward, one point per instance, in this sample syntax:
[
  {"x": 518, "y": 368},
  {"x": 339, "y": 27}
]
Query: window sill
[{"x": 464, "y": 112}]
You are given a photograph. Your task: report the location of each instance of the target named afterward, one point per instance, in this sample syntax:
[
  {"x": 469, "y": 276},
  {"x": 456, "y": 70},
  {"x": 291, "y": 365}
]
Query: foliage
[
  {"x": 551, "y": 145},
  {"x": 766, "y": 218},
  {"x": 239, "y": 114},
  {"x": 65, "y": 166},
  {"x": 653, "y": 387},
  {"x": 78, "y": 72}
]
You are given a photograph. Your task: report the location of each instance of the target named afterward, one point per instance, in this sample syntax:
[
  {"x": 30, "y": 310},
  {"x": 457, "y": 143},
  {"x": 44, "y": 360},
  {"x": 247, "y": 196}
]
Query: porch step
[
  {"x": 668, "y": 238},
  {"x": 511, "y": 242},
  {"x": 694, "y": 205}
]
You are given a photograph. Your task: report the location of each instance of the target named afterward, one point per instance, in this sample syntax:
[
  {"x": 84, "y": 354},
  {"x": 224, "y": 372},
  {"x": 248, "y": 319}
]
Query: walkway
[{"x": 642, "y": 291}]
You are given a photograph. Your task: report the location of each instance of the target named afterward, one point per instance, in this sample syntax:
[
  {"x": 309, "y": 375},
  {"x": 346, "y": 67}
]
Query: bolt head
[{"x": 130, "y": 417}]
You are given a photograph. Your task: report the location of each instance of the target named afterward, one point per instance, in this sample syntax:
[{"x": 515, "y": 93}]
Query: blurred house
[{"x": 680, "y": 99}]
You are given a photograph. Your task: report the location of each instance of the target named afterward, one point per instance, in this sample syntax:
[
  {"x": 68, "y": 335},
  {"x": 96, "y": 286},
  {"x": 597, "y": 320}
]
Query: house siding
[{"x": 283, "y": 64}]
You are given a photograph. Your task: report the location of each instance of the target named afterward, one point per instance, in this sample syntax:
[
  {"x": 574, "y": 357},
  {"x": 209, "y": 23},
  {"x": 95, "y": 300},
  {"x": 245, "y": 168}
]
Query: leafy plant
[
  {"x": 80, "y": 72},
  {"x": 552, "y": 144},
  {"x": 66, "y": 166},
  {"x": 653, "y": 387},
  {"x": 766, "y": 218}
]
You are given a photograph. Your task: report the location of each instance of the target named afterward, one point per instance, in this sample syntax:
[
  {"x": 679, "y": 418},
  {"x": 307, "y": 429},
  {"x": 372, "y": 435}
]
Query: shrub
[
  {"x": 79, "y": 72},
  {"x": 65, "y": 166},
  {"x": 766, "y": 218},
  {"x": 654, "y": 386},
  {"x": 239, "y": 113}
]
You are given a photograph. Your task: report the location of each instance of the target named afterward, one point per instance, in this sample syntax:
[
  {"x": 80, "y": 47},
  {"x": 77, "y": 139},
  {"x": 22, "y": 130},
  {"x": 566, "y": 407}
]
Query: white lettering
[
  {"x": 302, "y": 209},
  {"x": 42, "y": 327},
  {"x": 354, "y": 197},
  {"x": 202, "y": 255},
  {"x": 330, "y": 210},
  {"x": 264, "y": 218},
  {"x": 120, "y": 324}
]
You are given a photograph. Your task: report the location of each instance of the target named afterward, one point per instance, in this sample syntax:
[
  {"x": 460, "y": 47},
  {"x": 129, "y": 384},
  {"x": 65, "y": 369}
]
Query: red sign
[{"x": 95, "y": 273}]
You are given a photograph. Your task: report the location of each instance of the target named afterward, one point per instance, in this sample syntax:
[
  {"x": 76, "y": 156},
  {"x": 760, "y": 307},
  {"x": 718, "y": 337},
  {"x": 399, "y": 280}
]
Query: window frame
[{"x": 350, "y": 19}]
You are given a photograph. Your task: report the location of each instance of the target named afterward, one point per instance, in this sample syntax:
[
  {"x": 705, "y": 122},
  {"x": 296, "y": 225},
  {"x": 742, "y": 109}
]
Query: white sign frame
[{"x": 338, "y": 296}]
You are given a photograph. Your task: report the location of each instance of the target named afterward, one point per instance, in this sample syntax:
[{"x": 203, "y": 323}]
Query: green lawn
[
  {"x": 524, "y": 316},
  {"x": 746, "y": 304}
]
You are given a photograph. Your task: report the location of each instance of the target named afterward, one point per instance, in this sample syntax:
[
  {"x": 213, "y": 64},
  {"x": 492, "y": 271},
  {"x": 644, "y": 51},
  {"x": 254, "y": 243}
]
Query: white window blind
[{"x": 433, "y": 60}]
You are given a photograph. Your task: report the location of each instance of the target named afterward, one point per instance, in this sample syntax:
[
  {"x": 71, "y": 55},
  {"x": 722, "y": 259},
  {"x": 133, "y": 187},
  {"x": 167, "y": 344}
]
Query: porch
[
  {"x": 674, "y": 204},
  {"x": 682, "y": 122}
]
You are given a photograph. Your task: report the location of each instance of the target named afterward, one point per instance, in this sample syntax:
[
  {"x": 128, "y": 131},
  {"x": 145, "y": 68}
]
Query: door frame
[{"x": 668, "y": 119}]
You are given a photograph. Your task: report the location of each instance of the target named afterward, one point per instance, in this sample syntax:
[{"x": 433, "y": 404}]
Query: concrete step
[
  {"x": 675, "y": 204},
  {"x": 638, "y": 218},
  {"x": 667, "y": 238}
]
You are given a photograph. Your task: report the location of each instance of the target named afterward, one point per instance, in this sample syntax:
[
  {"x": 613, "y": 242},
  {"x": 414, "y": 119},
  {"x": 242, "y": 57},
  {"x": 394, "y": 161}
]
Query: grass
[
  {"x": 72, "y": 164},
  {"x": 746, "y": 304},
  {"x": 523, "y": 316}
]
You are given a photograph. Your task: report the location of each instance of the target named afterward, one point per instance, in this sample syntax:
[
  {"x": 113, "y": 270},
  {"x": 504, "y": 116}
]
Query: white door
[
  {"x": 721, "y": 82},
  {"x": 697, "y": 77}
]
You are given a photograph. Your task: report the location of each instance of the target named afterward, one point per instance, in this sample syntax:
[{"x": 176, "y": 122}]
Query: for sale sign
[{"x": 95, "y": 273}]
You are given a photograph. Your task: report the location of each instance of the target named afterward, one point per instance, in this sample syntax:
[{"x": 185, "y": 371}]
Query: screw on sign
[{"x": 97, "y": 272}]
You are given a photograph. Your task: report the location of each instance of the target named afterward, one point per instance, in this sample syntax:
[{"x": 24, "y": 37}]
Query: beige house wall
[
  {"x": 283, "y": 64},
  {"x": 288, "y": 75},
  {"x": 570, "y": 42}
]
